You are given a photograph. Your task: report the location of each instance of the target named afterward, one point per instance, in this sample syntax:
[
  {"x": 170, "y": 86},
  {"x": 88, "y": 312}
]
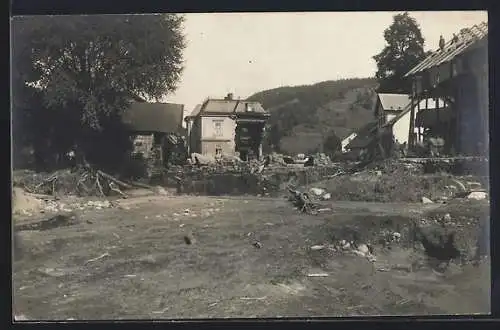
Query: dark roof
[
  {"x": 466, "y": 39},
  {"x": 228, "y": 107},
  {"x": 154, "y": 117},
  {"x": 364, "y": 137}
]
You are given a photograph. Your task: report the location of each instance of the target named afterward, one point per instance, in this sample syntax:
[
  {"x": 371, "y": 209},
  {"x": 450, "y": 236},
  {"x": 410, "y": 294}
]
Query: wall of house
[
  {"x": 195, "y": 136},
  {"x": 211, "y": 139},
  {"x": 401, "y": 128},
  {"x": 142, "y": 143}
]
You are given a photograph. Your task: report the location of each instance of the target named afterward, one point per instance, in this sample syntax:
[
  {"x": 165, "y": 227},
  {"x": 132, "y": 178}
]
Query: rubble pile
[
  {"x": 57, "y": 206},
  {"x": 27, "y": 204},
  {"x": 397, "y": 181},
  {"x": 322, "y": 159}
]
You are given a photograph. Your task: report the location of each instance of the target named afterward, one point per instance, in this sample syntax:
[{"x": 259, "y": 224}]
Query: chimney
[{"x": 229, "y": 97}]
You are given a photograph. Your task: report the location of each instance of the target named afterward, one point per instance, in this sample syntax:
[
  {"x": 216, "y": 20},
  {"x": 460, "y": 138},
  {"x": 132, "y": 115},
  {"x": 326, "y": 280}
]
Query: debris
[
  {"x": 326, "y": 196},
  {"x": 51, "y": 272},
  {"x": 477, "y": 195},
  {"x": 251, "y": 298},
  {"x": 189, "y": 239},
  {"x": 317, "y": 191},
  {"x": 317, "y": 275},
  {"x": 326, "y": 209},
  {"x": 160, "y": 191},
  {"x": 317, "y": 247},
  {"x": 257, "y": 244},
  {"x": 106, "y": 254},
  {"x": 161, "y": 312},
  {"x": 363, "y": 248},
  {"x": 426, "y": 200},
  {"x": 130, "y": 275},
  {"x": 345, "y": 245}
]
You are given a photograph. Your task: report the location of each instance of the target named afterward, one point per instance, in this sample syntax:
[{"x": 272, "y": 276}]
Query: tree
[
  {"x": 404, "y": 50},
  {"x": 84, "y": 70}
]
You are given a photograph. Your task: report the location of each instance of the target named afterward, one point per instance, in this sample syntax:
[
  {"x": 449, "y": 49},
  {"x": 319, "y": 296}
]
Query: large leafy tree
[
  {"x": 404, "y": 50},
  {"x": 74, "y": 75}
]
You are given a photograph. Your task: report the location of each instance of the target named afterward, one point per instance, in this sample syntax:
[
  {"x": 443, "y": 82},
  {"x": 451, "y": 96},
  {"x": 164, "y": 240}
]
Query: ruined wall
[
  {"x": 242, "y": 182},
  {"x": 142, "y": 143}
]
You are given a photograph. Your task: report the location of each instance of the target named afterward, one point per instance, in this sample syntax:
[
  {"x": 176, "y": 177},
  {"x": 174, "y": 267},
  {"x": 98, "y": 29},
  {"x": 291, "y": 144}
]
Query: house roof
[
  {"x": 394, "y": 101},
  {"x": 466, "y": 39},
  {"x": 154, "y": 117},
  {"x": 195, "y": 111},
  {"x": 364, "y": 137},
  {"x": 231, "y": 106},
  {"x": 228, "y": 107}
]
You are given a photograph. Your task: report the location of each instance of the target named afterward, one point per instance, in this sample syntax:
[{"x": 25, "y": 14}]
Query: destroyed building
[
  {"x": 227, "y": 126},
  {"x": 458, "y": 74},
  {"x": 156, "y": 129},
  {"x": 393, "y": 113}
]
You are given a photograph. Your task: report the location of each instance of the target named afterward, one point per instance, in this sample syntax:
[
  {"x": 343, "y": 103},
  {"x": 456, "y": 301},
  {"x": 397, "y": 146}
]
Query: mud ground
[{"x": 132, "y": 262}]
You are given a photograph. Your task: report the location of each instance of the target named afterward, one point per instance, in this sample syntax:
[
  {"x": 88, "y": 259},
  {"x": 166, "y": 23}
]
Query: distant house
[
  {"x": 153, "y": 126},
  {"x": 226, "y": 126},
  {"x": 388, "y": 106},
  {"x": 347, "y": 140}
]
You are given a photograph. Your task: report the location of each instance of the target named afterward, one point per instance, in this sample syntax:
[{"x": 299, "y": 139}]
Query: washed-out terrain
[{"x": 168, "y": 257}]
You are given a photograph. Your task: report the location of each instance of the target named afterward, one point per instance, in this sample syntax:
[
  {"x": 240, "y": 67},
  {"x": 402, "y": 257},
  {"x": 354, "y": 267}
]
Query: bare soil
[{"x": 132, "y": 262}]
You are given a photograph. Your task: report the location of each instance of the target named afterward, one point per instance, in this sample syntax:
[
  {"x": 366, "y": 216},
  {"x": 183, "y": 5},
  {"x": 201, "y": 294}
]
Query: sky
[{"x": 244, "y": 53}]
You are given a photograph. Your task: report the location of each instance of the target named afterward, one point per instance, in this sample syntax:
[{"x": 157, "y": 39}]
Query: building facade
[{"x": 226, "y": 126}]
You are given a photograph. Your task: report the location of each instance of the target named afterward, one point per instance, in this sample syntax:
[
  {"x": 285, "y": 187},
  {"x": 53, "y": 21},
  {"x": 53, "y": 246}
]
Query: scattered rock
[
  {"x": 317, "y": 191},
  {"x": 317, "y": 275},
  {"x": 160, "y": 191},
  {"x": 426, "y": 200},
  {"x": 257, "y": 244},
  {"x": 317, "y": 247},
  {"x": 363, "y": 248},
  {"x": 477, "y": 195},
  {"x": 396, "y": 236},
  {"x": 326, "y": 196}
]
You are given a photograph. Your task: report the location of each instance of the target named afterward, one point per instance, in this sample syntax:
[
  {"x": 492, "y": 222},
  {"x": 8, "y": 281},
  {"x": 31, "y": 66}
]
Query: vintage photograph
[{"x": 250, "y": 165}]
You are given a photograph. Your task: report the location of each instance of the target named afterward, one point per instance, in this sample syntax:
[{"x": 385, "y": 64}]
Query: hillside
[{"x": 302, "y": 116}]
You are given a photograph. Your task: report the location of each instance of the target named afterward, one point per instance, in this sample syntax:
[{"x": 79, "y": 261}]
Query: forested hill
[{"x": 303, "y": 116}]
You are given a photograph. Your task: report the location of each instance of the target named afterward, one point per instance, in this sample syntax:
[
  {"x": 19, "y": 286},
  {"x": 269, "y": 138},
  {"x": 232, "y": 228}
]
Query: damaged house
[
  {"x": 156, "y": 130},
  {"x": 393, "y": 114},
  {"x": 458, "y": 74},
  {"x": 227, "y": 126}
]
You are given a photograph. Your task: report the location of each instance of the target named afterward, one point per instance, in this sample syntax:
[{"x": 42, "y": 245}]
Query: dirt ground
[{"x": 132, "y": 262}]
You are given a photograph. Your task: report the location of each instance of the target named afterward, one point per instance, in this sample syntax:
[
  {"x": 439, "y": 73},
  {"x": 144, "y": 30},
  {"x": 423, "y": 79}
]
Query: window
[{"x": 218, "y": 127}]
